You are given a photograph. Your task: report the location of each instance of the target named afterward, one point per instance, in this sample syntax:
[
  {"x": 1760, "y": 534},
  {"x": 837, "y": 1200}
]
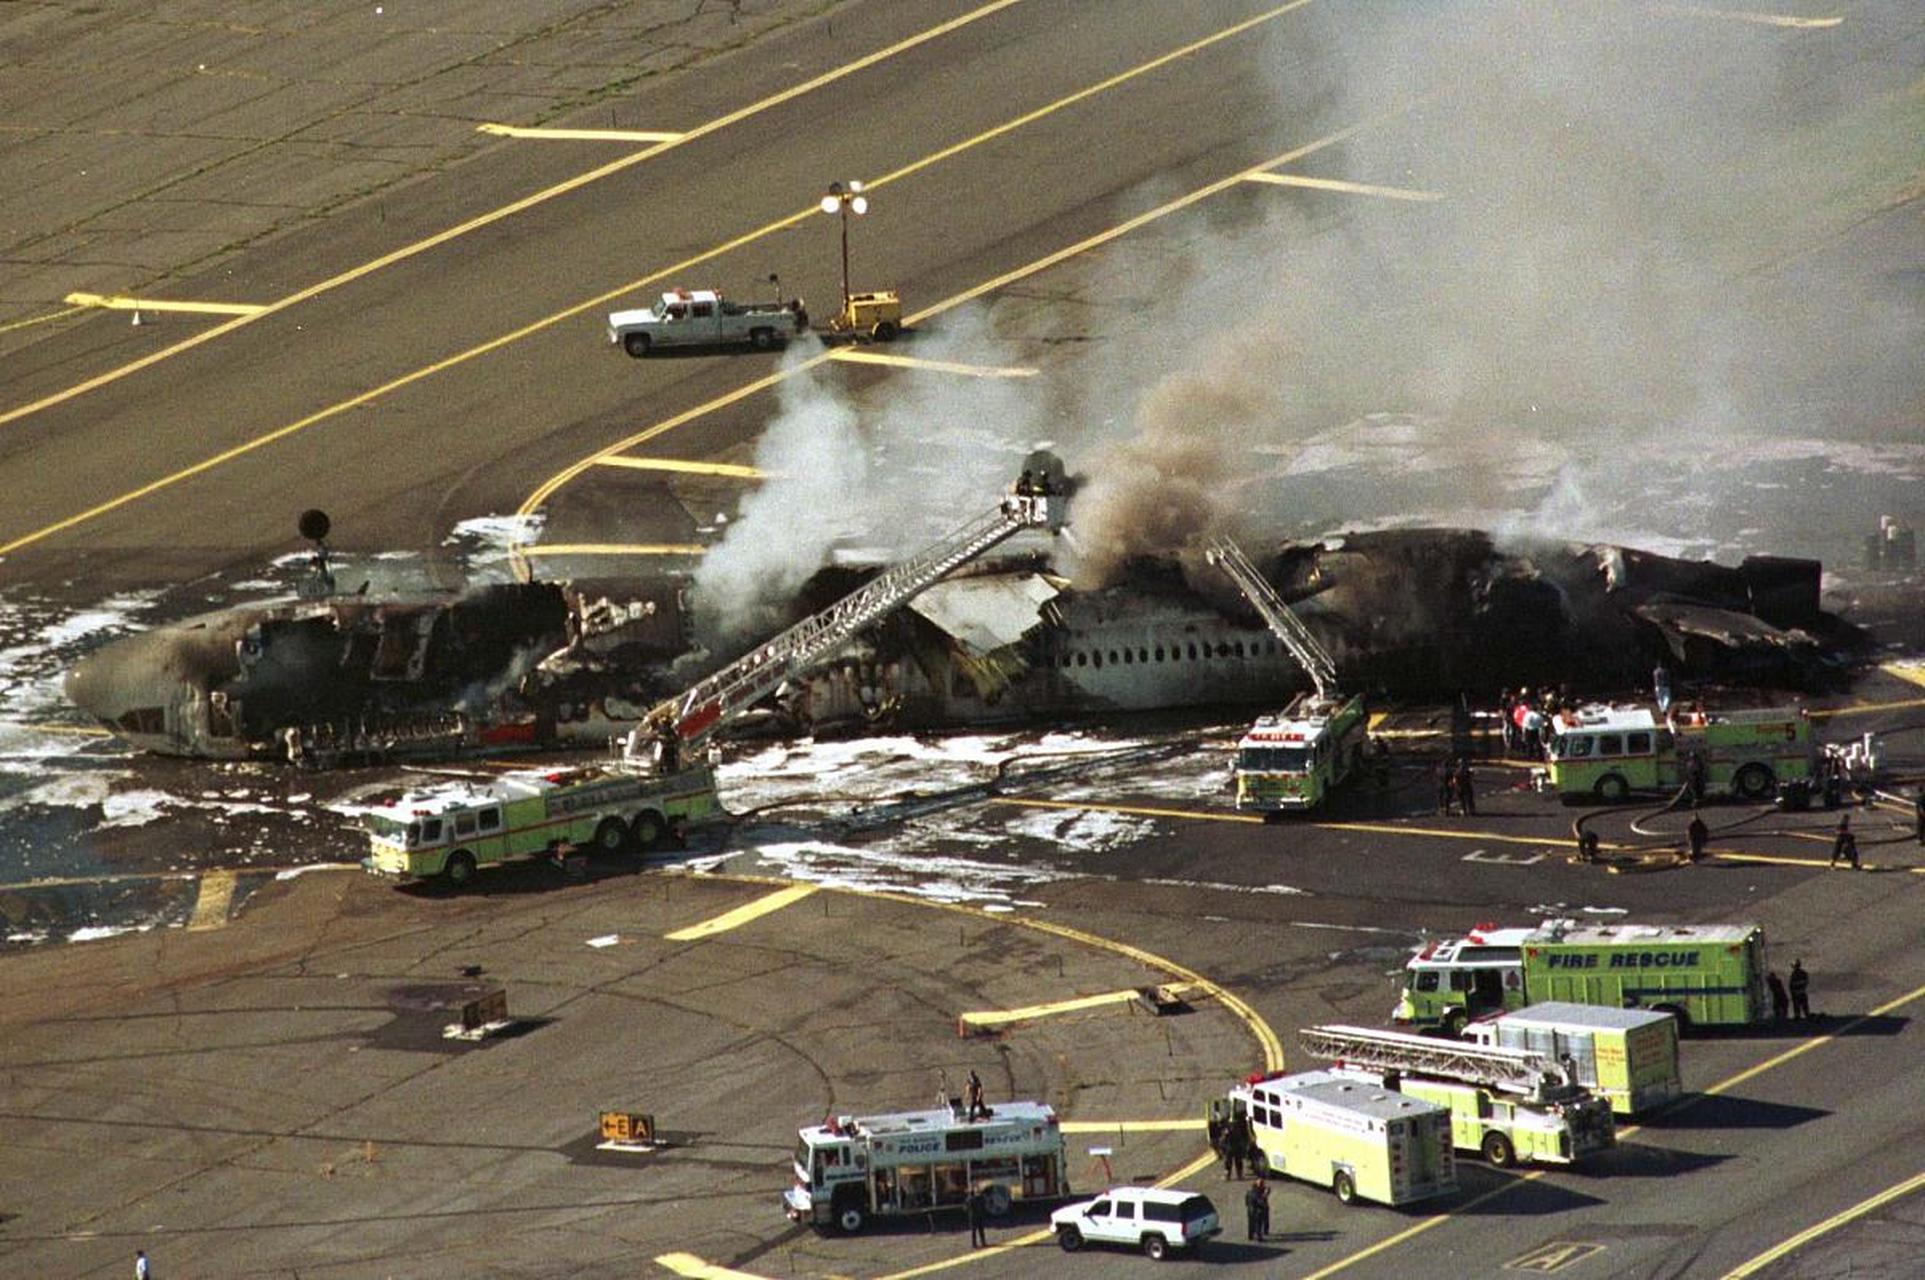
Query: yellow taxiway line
[
  {"x": 858, "y": 355},
  {"x": 687, "y": 1264},
  {"x": 509, "y": 210},
  {"x": 1790, "y": 21},
  {"x": 1864, "y": 708},
  {"x": 730, "y": 469},
  {"x": 1028, "y": 1013},
  {"x": 576, "y": 309},
  {"x": 612, "y": 549},
  {"x": 578, "y": 135},
  {"x": 1353, "y": 188},
  {"x": 1910, "y": 672},
  {"x": 1830, "y": 1224},
  {"x": 743, "y": 914},
  {"x": 210, "y": 907},
  {"x": 34, "y": 320},
  {"x": 120, "y": 302}
]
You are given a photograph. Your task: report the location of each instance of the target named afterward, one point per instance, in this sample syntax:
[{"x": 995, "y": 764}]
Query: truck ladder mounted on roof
[
  {"x": 1511, "y": 1070},
  {"x": 703, "y": 708},
  {"x": 1285, "y": 625}
]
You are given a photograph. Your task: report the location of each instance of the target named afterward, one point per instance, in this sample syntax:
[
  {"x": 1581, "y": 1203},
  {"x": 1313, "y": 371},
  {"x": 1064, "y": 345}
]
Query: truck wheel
[
  {"x": 849, "y": 1218},
  {"x": 459, "y": 869},
  {"x": 1612, "y": 789},
  {"x": 886, "y": 331},
  {"x": 1070, "y": 1238},
  {"x": 1454, "y": 1024},
  {"x": 761, "y": 339},
  {"x": 1155, "y": 1247},
  {"x": 1499, "y": 1151},
  {"x": 636, "y": 344},
  {"x": 996, "y": 1200},
  {"x": 1345, "y": 1186},
  {"x": 1754, "y": 781},
  {"x": 647, "y": 830},
  {"x": 1678, "y": 1012},
  {"x": 611, "y": 836}
]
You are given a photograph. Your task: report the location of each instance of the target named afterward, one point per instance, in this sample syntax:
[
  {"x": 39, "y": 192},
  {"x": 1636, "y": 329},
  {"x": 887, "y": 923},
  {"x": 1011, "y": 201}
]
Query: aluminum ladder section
[
  {"x": 1511, "y": 1070},
  {"x": 1285, "y": 625},
  {"x": 712, "y": 702}
]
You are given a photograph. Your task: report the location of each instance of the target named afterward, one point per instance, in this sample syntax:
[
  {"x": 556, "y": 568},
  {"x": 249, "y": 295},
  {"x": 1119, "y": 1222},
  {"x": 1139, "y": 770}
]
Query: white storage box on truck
[
  {"x": 1335, "y": 1130},
  {"x": 1629, "y": 1056}
]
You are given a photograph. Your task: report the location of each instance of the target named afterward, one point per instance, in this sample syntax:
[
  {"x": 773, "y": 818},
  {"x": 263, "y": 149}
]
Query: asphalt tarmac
[{"x": 264, "y": 1089}]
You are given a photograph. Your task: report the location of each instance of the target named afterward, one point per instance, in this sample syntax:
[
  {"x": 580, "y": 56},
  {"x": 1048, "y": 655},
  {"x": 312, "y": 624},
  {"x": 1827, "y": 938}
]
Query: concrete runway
[{"x": 195, "y": 1094}]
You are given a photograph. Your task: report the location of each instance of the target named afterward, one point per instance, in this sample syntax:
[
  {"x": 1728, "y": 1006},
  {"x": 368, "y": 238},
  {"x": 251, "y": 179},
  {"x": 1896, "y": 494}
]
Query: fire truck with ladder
[
  {"x": 657, "y": 784},
  {"x": 1293, "y": 759},
  {"x": 1509, "y": 1104}
]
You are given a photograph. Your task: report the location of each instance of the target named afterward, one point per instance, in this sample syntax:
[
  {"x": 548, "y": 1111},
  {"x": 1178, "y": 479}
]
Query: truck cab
[
  {"x": 1449, "y": 983},
  {"x": 704, "y": 318}
]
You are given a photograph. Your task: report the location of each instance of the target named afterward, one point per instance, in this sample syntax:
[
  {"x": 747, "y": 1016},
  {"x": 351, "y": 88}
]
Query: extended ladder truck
[
  {"x": 1509, "y": 1104},
  {"x": 1293, "y": 759},
  {"x": 658, "y": 784}
]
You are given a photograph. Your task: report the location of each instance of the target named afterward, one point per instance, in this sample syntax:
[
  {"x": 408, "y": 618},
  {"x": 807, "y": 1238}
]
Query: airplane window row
[{"x": 1175, "y": 653}]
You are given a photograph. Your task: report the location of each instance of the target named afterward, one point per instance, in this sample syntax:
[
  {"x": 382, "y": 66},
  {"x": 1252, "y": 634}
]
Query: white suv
[{"x": 1152, "y": 1219}]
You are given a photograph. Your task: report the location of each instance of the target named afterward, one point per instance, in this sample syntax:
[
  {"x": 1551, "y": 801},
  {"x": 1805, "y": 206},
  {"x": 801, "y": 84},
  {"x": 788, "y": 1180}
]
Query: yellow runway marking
[
  {"x": 509, "y": 210},
  {"x": 1353, "y": 188},
  {"x": 744, "y": 914},
  {"x": 857, "y": 355},
  {"x": 1830, "y": 1224},
  {"x": 1790, "y": 21},
  {"x": 1003, "y": 1017},
  {"x": 1193, "y": 1125},
  {"x": 33, "y": 320},
  {"x": 120, "y": 302},
  {"x": 731, "y": 469},
  {"x": 687, "y": 1264},
  {"x": 612, "y": 549},
  {"x": 216, "y": 895},
  {"x": 579, "y": 135},
  {"x": 78, "y": 730}
]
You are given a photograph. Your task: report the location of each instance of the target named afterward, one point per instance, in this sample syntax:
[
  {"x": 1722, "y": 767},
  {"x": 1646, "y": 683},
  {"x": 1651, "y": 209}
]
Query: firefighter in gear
[
  {"x": 1695, "y": 836},
  {"x": 1800, "y": 992},
  {"x": 1845, "y": 845}
]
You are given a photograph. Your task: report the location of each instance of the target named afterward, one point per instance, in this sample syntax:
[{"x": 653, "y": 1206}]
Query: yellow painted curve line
[
  {"x": 685, "y": 467},
  {"x": 578, "y": 135},
  {"x": 687, "y": 1264},
  {"x": 1028, "y": 1013},
  {"x": 121, "y": 302},
  {"x": 509, "y": 210},
  {"x": 858, "y": 355},
  {"x": 743, "y": 914},
  {"x": 1830, "y": 1224},
  {"x": 1351, "y": 188}
]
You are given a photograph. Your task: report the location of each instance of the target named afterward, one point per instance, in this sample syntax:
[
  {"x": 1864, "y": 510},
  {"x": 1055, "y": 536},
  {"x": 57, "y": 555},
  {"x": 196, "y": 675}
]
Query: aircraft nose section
[
  {"x": 93, "y": 685},
  {"x": 123, "y": 684}
]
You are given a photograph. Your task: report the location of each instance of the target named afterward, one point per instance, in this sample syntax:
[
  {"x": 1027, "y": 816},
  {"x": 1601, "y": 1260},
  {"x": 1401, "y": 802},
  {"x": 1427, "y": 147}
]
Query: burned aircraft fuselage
[{"x": 1418, "y": 613}]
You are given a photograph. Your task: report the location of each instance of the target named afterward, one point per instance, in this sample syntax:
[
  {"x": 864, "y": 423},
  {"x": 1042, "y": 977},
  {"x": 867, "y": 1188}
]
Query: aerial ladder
[
  {"x": 682, "y": 722},
  {"x": 1514, "y": 1071},
  {"x": 1285, "y": 625}
]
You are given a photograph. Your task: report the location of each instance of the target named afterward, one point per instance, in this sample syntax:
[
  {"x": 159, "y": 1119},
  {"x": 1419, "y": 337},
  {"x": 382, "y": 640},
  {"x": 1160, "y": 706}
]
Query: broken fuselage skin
[{"x": 1415, "y": 613}]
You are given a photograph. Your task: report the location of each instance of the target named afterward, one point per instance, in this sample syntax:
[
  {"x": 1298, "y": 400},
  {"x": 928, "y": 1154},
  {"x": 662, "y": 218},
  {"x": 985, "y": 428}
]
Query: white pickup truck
[{"x": 704, "y": 318}]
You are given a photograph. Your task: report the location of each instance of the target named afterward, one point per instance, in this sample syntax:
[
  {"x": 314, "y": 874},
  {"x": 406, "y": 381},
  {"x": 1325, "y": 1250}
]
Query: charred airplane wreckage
[{"x": 1414, "y": 613}]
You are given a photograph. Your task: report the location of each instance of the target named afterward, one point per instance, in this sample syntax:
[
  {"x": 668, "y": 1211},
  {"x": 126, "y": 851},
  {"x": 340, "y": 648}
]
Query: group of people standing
[
  {"x": 1234, "y": 1139},
  {"x": 1526, "y": 721},
  {"x": 1795, "y": 999}
]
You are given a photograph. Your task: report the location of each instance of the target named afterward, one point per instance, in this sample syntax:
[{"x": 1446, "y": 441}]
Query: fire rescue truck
[
  {"x": 1606, "y": 753},
  {"x": 854, "y": 1168},
  {"x": 654, "y": 786},
  {"x": 1702, "y": 975},
  {"x": 1293, "y": 759},
  {"x": 1509, "y": 1104},
  {"x": 1343, "y": 1132},
  {"x": 1627, "y": 1055}
]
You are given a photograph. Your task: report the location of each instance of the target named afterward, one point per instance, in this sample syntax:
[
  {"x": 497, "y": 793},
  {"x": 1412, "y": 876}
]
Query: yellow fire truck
[{"x": 1606, "y": 753}]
